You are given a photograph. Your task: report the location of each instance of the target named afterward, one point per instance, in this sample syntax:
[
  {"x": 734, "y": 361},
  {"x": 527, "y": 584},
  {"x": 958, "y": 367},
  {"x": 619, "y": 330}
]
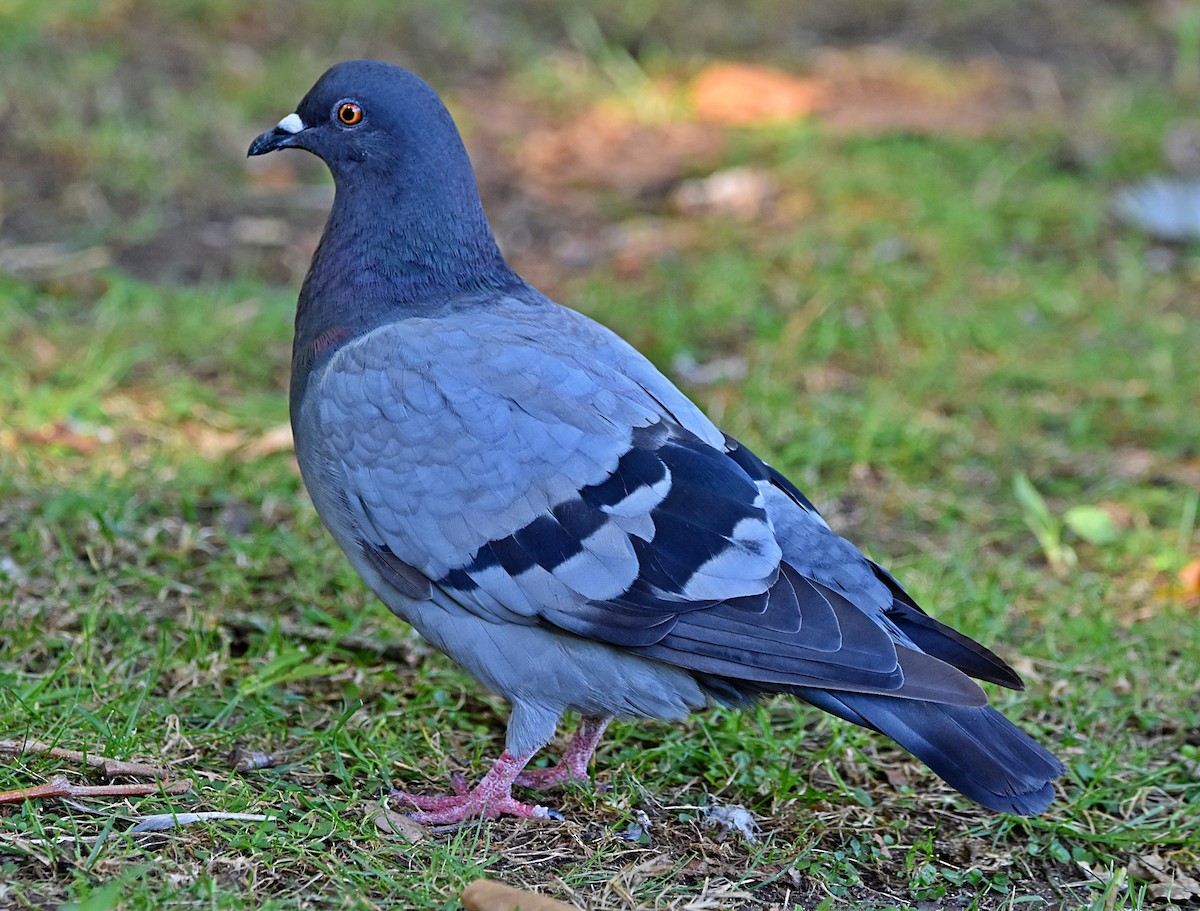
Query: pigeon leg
[
  {"x": 575, "y": 759},
  {"x": 491, "y": 797}
]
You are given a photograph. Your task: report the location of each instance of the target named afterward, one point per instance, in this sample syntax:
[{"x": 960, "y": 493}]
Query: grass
[{"x": 946, "y": 315}]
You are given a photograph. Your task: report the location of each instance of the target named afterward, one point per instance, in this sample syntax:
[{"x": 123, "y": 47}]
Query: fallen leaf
[
  {"x": 1167, "y": 878},
  {"x": 897, "y": 777},
  {"x": 389, "y": 822},
  {"x": 489, "y": 895},
  {"x": 740, "y": 94},
  {"x": 1189, "y": 576}
]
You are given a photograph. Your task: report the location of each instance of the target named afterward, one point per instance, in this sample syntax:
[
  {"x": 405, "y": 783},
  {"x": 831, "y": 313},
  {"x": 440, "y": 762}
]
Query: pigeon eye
[{"x": 349, "y": 113}]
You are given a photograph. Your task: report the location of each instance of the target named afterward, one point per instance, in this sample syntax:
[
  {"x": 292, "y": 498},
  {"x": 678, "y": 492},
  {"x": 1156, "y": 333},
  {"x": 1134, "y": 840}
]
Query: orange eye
[{"x": 349, "y": 113}]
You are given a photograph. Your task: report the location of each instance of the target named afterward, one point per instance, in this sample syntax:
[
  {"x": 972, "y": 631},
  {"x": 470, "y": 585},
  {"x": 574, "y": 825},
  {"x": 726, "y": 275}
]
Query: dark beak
[{"x": 276, "y": 138}]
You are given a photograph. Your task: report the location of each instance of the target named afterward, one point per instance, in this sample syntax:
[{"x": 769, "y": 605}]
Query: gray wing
[
  {"x": 535, "y": 468},
  {"x": 446, "y": 434}
]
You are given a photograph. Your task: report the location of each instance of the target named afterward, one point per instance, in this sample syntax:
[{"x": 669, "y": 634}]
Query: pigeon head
[
  {"x": 407, "y": 233},
  {"x": 369, "y": 121}
]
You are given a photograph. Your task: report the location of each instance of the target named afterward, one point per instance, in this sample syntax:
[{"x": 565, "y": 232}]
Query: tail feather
[
  {"x": 975, "y": 749},
  {"x": 937, "y": 639}
]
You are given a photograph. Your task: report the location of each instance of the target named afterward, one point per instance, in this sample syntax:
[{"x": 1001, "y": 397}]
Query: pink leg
[
  {"x": 575, "y": 760},
  {"x": 491, "y": 797}
]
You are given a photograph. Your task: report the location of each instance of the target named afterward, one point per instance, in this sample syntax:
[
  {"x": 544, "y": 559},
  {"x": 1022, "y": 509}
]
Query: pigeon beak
[{"x": 283, "y": 135}]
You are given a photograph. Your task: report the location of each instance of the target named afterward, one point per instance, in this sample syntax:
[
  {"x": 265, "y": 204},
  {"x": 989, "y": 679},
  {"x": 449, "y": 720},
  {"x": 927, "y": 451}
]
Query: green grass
[{"x": 947, "y": 315}]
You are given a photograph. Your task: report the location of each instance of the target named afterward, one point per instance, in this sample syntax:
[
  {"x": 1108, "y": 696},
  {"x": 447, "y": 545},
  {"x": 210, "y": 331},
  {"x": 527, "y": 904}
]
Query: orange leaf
[
  {"x": 1190, "y": 577},
  {"x": 737, "y": 94}
]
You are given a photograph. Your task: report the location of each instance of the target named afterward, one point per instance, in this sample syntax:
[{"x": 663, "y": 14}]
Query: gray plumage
[{"x": 546, "y": 508}]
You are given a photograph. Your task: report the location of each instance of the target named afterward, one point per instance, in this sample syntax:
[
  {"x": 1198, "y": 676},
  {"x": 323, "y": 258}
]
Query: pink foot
[
  {"x": 488, "y": 799},
  {"x": 436, "y": 811},
  {"x": 576, "y": 757}
]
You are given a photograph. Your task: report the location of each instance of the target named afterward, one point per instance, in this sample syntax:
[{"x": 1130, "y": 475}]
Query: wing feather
[{"x": 580, "y": 490}]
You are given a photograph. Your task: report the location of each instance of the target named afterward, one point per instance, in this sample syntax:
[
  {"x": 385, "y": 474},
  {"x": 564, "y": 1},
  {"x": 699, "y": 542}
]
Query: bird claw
[
  {"x": 488, "y": 799},
  {"x": 434, "y": 810}
]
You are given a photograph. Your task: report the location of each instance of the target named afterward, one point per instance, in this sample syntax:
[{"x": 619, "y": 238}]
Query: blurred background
[{"x": 126, "y": 122}]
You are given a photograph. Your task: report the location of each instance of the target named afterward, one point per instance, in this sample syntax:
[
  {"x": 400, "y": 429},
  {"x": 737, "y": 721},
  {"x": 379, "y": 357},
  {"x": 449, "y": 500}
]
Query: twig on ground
[
  {"x": 109, "y": 768},
  {"x": 60, "y": 786}
]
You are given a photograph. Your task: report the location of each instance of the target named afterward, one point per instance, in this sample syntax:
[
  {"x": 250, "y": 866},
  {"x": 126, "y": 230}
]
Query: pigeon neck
[
  {"x": 412, "y": 242},
  {"x": 386, "y": 256}
]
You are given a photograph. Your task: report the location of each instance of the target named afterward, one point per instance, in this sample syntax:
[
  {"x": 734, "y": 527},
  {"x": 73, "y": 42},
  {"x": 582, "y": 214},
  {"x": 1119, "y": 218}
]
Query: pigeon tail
[{"x": 974, "y": 749}]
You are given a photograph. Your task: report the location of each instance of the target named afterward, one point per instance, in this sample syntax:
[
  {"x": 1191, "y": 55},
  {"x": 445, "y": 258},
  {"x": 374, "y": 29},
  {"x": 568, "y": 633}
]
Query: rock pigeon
[{"x": 541, "y": 504}]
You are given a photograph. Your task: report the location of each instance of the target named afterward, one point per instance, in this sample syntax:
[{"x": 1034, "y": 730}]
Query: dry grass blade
[{"x": 160, "y": 822}]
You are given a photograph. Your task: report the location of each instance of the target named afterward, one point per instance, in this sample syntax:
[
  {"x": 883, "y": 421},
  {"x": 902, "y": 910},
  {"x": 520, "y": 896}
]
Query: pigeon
[{"x": 544, "y": 506}]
